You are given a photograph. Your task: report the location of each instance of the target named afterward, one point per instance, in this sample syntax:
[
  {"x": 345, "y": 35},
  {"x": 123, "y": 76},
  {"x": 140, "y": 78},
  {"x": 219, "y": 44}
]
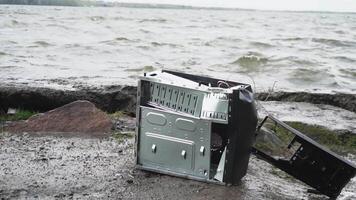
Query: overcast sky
[{"x": 299, "y": 5}]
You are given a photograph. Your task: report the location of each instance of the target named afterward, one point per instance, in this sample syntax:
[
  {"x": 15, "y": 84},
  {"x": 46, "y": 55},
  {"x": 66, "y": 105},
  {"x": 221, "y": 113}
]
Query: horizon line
[{"x": 100, "y": 3}]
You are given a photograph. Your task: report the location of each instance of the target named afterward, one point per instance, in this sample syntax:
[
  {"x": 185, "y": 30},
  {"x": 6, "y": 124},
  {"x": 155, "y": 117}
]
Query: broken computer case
[
  {"x": 193, "y": 126},
  {"x": 205, "y": 129}
]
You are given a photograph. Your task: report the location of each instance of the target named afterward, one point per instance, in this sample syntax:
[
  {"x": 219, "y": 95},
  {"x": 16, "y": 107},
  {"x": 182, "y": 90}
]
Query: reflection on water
[{"x": 302, "y": 51}]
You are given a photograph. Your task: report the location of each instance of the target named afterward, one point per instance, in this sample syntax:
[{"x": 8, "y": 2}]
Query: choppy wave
[
  {"x": 291, "y": 39},
  {"x": 251, "y": 61},
  {"x": 118, "y": 40},
  {"x": 334, "y": 42},
  {"x": 158, "y": 44},
  {"x": 122, "y": 39},
  {"x": 42, "y": 44},
  {"x": 158, "y": 20},
  {"x": 261, "y": 44},
  {"x": 9, "y": 67},
  {"x": 97, "y": 18},
  {"x": 145, "y": 31},
  {"x": 350, "y": 72},
  {"x": 114, "y": 45},
  {"x": 228, "y": 38},
  {"x": 13, "y": 23},
  {"x": 340, "y": 32},
  {"x": 60, "y": 26},
  {"x": 297, "y": 61},
  {"x": 345, "y": 59},
  {"x": 304, "y": 76}
]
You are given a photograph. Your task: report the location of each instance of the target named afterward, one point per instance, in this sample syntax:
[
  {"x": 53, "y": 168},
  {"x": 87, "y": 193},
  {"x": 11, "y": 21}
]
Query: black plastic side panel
[
  {"x": 313, "y": 164},
  {"x": 241, "y": 134}
]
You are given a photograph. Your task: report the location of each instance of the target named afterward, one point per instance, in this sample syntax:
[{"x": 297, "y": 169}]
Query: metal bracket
[{"x": 220, "y": 170}]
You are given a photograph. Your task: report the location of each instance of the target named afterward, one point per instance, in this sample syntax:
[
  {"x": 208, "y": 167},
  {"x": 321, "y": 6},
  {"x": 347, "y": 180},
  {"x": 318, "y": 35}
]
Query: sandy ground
[
  {"x": 99, "y": 166},
  {"x": 81, "y": 167}
]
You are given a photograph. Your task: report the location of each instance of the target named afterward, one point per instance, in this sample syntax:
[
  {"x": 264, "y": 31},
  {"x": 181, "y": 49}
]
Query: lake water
[{"x": 68, "y": 47}]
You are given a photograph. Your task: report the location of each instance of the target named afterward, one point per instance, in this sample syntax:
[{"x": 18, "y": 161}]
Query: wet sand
[
  {"x": 97, "y": 166},
  {"x": 78, "y": 167}
]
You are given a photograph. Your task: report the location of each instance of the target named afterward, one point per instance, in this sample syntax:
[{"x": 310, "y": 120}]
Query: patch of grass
[
  {"x": 338, "y": 142},
  {"x": 19, "y": 115},
  {"x": 117, "y": 114},
  {"x": 121, "y": 136},
  {"x": 341, "y": 143},
  {"x": 348, "y": 140},
  {"x": 283, "y": 134},
  {"x": 317, "y": 133}
]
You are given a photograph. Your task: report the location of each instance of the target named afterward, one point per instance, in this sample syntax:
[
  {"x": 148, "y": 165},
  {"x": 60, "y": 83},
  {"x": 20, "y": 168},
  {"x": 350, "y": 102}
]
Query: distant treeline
[
  {"x": 91, "y": 3},
  {"x": 49, "y": 2},
  {"x": 106, "y": 4}
]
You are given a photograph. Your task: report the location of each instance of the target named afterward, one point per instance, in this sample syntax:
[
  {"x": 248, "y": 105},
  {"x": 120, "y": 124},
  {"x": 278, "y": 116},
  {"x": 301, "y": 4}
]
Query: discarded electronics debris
[
  {"x": 204, "y": 129},
  {"x": 308, "y": 161}
]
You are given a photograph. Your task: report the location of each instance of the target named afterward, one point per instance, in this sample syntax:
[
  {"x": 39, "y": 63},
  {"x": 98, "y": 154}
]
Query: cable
[{"x": 223, "y": 82}]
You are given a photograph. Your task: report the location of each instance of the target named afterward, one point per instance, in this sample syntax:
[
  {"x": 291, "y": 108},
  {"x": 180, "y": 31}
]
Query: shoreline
[{"x": 123, "y": 98}]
